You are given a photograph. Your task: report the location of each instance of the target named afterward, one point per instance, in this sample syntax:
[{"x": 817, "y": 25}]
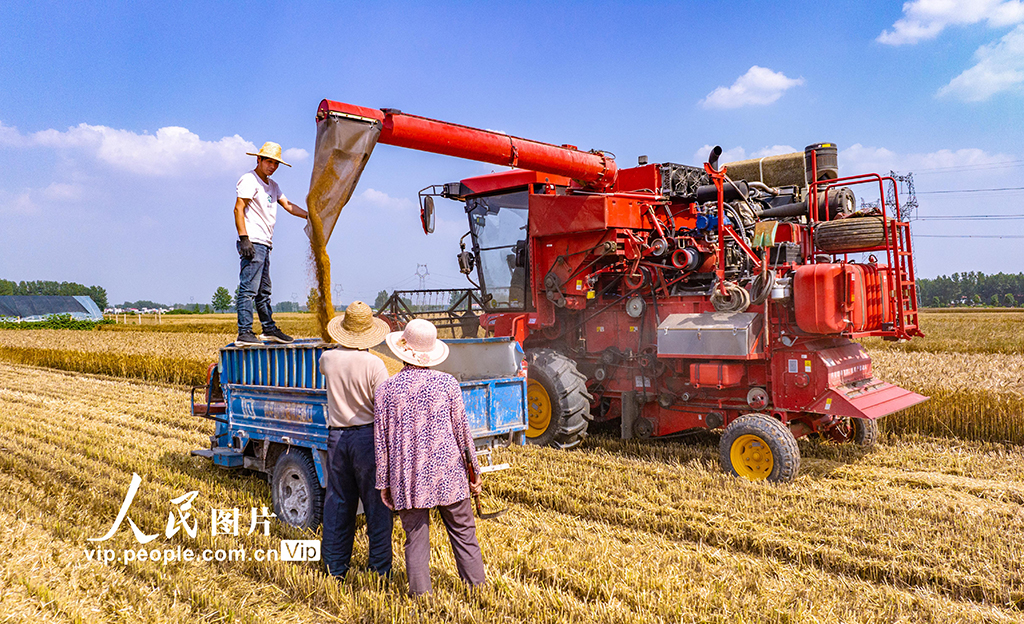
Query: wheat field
[
  {"x": 920, "y": 530},
  {"x": 971, "y": 364}
]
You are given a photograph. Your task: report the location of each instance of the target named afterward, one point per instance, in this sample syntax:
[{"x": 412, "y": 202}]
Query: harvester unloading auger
[{"x": 672, "y": 297}]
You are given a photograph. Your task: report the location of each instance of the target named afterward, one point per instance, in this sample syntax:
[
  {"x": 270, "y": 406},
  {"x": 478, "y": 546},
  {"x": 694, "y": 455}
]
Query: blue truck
[{"x": 269, "y": 406}]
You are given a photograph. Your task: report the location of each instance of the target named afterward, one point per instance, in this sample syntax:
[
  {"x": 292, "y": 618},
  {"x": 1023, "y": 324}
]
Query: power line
[
  {"x": 996, "y": 217},
  {"x": 964, "y": 236},
  {"x": 988, "y": 190},
  {"x": 975, "y": 167}
]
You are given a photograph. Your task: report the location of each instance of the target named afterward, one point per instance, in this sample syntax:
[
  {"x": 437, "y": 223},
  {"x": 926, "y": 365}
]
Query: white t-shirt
[
  {"x": 352, "y": 378},
  {"x": 260, "y": 207}
]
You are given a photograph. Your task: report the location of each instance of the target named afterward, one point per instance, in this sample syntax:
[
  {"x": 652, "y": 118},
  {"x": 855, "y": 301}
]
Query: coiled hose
[{"x": 735, "y": 299}]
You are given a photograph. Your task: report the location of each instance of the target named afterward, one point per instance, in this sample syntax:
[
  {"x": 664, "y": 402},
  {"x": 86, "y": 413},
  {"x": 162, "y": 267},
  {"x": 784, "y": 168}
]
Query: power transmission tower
[
  {"x": 422, "y": 272},
  {"x": 908, "y": 195}
]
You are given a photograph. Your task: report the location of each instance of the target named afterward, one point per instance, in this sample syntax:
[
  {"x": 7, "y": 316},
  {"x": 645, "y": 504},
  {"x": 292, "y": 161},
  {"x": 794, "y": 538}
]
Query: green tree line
[
  {"x": 1004, "y": 289},
  {"x": 97, "y": 293}
]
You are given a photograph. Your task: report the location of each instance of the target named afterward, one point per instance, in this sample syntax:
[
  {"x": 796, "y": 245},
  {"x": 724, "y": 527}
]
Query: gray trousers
[{"x": 461, "y": 526}]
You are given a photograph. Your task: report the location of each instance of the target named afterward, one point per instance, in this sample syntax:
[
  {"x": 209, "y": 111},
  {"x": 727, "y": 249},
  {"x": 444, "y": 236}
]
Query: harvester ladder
[{"x": 904, "y": 282}]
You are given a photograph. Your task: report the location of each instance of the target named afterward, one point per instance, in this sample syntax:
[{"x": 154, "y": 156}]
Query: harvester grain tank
[{"x": 669, "y": 297}]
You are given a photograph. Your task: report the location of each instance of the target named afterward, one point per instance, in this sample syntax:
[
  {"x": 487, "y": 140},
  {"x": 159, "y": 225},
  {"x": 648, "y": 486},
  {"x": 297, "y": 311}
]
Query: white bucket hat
[{"x": 418, "y": 344}]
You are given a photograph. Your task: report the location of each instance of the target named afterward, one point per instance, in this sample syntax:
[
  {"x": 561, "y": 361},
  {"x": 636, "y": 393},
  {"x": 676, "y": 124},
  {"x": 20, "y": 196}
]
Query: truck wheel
[
  {"x": 295, "y": 490},
  {"x": 843, "y": 235},
  {"x": 758, "y": 447},
  {"x": 860, "y": 431},
  {"x": 557, "y": 400}
]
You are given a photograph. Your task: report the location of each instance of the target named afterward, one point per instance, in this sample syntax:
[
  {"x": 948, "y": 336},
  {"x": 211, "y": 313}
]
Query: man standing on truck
[
  {"x": 353, "y": 374},
  {"x": 255, "y": 215}
]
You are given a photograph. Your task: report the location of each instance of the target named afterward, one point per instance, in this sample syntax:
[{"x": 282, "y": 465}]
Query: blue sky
[{"x": 123, "y": 127}]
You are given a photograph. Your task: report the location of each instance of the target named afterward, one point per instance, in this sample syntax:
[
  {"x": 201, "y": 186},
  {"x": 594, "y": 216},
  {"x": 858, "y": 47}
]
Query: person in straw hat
[
  {"x": 255, "y": 214},
  {"x": 422, "y": 438},
  {"x": 353, "y": 374}
]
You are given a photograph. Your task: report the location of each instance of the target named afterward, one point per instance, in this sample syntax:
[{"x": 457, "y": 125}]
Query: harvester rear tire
[
  {"x": 759, "y": 447},
  {"x": 558, "y": 403},
  {"x": 845, "y": 235},
  {"x": 295, "y": 490}
]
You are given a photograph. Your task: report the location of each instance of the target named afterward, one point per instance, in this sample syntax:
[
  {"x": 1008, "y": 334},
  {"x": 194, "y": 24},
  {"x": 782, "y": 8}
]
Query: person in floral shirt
[{"x": 422, "y": 442}]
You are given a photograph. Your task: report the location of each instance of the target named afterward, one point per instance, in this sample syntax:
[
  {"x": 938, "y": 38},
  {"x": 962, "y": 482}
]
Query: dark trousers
[
  {"x": 458, "y": 521},
  {"x": 351, "y": 476},
  {"x": 254, "y": 289}
]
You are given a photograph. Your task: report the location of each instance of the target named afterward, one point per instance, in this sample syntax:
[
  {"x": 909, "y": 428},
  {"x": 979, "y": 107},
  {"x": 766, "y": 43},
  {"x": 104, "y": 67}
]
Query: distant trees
[
  {"x": 221, "y": 299},
  {"x": 382, "y": 298},
  {"x": 961, "y": 288},
  {"x": 141, "y": 304},
  {"x": 1009, "y": 301},
  {"x": 68, "y": 289}
]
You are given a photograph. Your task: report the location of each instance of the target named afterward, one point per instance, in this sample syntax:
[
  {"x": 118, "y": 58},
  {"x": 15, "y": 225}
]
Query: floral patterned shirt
[{"x": 421, "y": 435}]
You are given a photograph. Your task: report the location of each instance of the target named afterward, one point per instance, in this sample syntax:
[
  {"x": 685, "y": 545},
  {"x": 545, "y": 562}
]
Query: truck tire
[
  {"x": 845, "y": 235},
  {"x": 558, "y": 403},
  {"x": 295, "y": 490},
  {"x": 758, "y": 447}
]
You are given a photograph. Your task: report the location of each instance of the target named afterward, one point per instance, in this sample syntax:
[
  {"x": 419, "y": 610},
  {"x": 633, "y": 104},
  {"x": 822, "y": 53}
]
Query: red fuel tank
[
  {"x": 828, "y": 298},
  {"x": 832, "y": 298}
]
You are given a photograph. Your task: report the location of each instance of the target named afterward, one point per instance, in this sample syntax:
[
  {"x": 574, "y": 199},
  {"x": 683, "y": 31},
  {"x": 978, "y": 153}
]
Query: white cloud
[
  {"x": 758, "y": 87},
  {"x": 295, "y": 154},
  {"x": 61, "y": 191},
  {"x": 774, "y": 150},
  {"x": 170, "y": 152},
  {"x": 739, "y": 153},
  {"x": 379, "y": 199},
  {"x": 10, "y": 137},
  {"x": 860, "y": 159},
  {"x": 20, "y": 204},
  {"x": 999, "y": 67},
  {"x": 925, "y": 19},
  {"x": 865, "y": 159}
]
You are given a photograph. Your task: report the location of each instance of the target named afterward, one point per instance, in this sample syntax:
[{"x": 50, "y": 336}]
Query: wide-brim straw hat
[
  {"x": 357, "y": 328},
  {"x": 418, "y": 344},
  {"x": 270, "y": 150}
]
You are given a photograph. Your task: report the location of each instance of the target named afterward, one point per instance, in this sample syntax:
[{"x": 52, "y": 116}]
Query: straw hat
[
  {"x": 270, "y": 150},
  {"x": 356, "y": 328},
  {"x": 418, "y": 344}
]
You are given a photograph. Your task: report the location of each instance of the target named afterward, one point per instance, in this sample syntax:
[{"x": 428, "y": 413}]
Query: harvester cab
[{"x": 670, "y": 297}]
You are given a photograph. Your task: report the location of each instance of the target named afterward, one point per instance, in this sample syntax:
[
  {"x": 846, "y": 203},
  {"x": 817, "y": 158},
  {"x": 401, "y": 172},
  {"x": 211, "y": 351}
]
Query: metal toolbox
[{"x": 735, "y": 334}]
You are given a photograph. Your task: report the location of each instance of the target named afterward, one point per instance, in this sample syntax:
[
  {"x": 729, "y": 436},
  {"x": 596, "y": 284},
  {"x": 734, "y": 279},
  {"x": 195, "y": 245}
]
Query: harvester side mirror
[
  {"x": 466, "y": 262},
  {"x": 427, "y": 213}
]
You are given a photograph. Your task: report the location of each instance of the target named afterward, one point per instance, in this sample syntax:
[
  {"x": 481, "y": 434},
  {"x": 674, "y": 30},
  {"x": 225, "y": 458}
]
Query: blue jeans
[
  {"x": 352, "y": 475},
  {"x": 254, "y": 284}
]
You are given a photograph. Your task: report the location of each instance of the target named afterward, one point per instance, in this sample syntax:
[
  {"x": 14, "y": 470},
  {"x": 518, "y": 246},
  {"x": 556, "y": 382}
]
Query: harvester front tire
[
  {"x": 558, "y": 403},
  {"x": 758, "y": 448},
  {"x": 852, "y": 234},
  {"x": 865, "y": 432},
  {"x": 295, "y": 490}
]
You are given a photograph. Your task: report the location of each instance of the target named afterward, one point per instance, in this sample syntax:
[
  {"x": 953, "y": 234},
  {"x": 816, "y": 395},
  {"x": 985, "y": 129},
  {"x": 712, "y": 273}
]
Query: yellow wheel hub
[
  {"x": 539, "y": 404},
  {"x": 751, "y": 458}
]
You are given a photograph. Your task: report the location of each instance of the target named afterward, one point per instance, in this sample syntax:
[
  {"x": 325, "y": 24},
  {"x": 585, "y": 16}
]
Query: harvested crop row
[{"x": 580, "y": 543}]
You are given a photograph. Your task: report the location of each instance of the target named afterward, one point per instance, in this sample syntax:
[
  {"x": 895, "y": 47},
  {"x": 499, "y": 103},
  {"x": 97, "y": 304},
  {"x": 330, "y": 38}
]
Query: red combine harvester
[{"x": 673, "y": 297}]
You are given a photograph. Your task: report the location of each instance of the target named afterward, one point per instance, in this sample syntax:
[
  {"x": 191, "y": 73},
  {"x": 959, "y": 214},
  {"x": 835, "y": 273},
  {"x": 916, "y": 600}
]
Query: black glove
[{"x": 245, "y": 248}]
